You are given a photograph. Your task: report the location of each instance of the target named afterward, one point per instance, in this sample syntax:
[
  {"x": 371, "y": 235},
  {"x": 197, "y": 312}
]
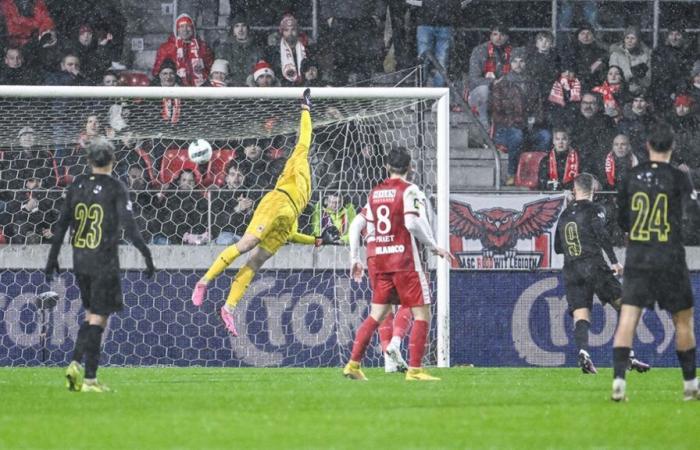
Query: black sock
[
  {"x": 581, "y": 328},
  {"x": 79, "y": 349},
  {"x": 92, "y": 350},
  {"x": 621, "y": 357},
  {"x": 687, "y": 360}
]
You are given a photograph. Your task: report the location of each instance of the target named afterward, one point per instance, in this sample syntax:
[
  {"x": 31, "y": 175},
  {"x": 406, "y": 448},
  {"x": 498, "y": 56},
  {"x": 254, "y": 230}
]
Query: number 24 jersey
[{"x": 651, "y": 201}]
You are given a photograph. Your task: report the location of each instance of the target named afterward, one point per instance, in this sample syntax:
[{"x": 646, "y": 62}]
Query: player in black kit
[
  {"x": 651, "y": 200},
  {"x": 95, "y": 207},
  {"x": 580, "y": 236}
]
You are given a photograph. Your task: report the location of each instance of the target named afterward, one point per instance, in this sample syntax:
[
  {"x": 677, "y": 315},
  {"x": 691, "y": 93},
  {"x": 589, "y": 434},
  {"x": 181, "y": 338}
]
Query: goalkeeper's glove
[
  {"x": 150, "y": 268},
  {"x": 329, "y": 236},
  {"x": 306, "y": 99},
  {"x": 51, "y": 269}
]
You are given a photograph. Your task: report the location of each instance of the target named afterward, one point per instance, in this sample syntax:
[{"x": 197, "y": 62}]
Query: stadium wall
[{"x": 301, "y": 312}]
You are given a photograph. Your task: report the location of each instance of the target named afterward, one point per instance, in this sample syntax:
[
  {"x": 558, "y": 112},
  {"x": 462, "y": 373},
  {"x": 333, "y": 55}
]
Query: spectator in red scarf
[
  {"x": 191, "y": 55},
  {"x": 613, "y": 92},
  {"x": 28, "y": 20},
  {"x": 590, "y": 60},
  {"x": 564, "y": 97},
  {"x": 617, "y": 163},
  {"x": 287, "y": 57},
  {"x": 218, "y": 75},
  {"x": 488, "y": 62},
  {"x": 560, "y": 167}
]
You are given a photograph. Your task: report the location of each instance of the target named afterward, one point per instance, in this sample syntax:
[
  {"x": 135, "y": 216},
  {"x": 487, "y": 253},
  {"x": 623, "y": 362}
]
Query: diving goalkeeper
[{"x": 274, "y": 223}]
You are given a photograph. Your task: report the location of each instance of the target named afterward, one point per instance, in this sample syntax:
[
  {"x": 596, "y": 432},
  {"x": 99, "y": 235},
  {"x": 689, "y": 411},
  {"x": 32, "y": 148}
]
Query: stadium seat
[
  {"x": 527, "y": 174},
  {"x": 134, "y": 78},
  {"x": 216, "y": 169},
  {"x": 174, "y": 161}
]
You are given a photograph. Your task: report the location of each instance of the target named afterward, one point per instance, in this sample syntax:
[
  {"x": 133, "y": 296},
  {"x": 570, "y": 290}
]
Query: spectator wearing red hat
[
  {"x": 191, "y": 55},
  {"x": 287, "y": 57},
  {"x": 263, "y": 76}
]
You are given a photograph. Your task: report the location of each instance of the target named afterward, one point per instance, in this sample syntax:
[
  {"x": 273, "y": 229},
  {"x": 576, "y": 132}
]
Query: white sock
[
  {"x": 690, "y": 385},
  {"x": 395, "y": 340}
]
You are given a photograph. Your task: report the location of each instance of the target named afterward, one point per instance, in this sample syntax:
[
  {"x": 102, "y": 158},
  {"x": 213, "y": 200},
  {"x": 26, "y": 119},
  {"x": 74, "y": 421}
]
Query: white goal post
[{"x": 367, "y": 102}]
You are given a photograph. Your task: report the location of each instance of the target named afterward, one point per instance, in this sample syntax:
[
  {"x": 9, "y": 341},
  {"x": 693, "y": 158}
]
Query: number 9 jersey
[{"x": 394, "y": 248}]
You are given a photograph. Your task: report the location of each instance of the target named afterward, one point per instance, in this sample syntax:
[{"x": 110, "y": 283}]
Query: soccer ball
[{"x": 199, "y": 151}]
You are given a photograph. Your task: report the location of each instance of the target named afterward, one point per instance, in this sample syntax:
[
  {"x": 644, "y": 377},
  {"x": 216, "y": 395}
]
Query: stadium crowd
[{"x": 579, "y": 101}]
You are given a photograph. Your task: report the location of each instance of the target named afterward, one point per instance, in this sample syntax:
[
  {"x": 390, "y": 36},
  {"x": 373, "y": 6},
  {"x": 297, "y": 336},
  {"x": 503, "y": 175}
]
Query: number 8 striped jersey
[
  {"x": 651, "y": 201},
  {"x": 394, "y": 248}
]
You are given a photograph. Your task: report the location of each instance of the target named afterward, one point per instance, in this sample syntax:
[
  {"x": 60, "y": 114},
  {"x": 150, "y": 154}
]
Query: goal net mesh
[{"x": 300, "y": 310}]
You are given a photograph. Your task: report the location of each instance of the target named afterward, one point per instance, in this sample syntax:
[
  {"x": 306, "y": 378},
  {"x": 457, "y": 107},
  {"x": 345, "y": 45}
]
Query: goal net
[{"x": 301, "y": 309}]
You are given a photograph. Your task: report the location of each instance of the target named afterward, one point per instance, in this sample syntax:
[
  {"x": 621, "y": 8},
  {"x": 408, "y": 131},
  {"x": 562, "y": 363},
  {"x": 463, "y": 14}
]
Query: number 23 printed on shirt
[{"x": 89, "y": 232}]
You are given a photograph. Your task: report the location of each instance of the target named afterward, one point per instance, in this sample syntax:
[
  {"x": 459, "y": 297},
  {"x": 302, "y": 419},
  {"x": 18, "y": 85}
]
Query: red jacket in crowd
[
  {"x": 20, "y": 28},
  {"x": 192, "y": 58}
]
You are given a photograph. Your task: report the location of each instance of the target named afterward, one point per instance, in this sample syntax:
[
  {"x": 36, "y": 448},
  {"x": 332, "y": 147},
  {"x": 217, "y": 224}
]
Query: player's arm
[
  {"x": 623, "y": 216},
  {"x": 558, "y": 249},
  {"x": 126, "y": 220},
  {"x": 416, "y": 220},
  {"x": 58, "y": 234},
  {"x": 305, "y": 126},
  {"x": 358, "y": 224},
  {"x": 602, "y": 236}
]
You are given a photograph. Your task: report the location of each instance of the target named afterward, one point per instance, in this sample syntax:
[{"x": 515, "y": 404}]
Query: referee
[{"x": 95, "y": 207}]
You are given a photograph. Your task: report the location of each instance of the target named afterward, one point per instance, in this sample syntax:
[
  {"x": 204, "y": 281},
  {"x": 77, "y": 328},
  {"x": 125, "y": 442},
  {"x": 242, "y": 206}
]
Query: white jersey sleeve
[{"x": 416, "y": 214}]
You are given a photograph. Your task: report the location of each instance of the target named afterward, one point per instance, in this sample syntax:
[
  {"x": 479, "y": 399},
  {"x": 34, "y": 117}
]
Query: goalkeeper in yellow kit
[{"x": 274, "y": 223}]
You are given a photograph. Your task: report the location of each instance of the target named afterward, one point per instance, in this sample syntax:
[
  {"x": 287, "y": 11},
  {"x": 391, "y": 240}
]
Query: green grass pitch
[{"x": 199, "y": 408}]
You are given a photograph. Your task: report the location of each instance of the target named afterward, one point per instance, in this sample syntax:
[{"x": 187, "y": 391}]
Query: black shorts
[
  {"x": 101, "y": 294},
  {"x": 669, "y": 288},
  {"x": 584, "y": 278}
]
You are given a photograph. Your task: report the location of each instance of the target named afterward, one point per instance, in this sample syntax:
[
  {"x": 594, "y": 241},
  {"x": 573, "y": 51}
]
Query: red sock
[
  {"x": 364, "y": 334},
  {"x": 402, "y": 321},
  {"x": 386, "y": 330},
  {"x": 416, "y": 343}
]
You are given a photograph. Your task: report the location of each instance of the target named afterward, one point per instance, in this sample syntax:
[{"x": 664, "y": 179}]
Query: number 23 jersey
[
  {"x": 651, "y": 202},
  {"x": 393, "y": 247},
  {"x": 94, "y": 206}
]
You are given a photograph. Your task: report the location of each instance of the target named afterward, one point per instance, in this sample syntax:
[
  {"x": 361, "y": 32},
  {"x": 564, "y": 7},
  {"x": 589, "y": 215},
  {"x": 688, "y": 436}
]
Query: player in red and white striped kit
[
  {"x": 393, "y": 329},
  {"x": 398, "y": 211}
]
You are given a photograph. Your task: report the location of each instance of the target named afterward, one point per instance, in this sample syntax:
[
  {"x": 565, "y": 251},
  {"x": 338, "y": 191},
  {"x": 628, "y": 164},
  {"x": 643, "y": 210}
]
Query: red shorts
[
  {"x": 394, "y": 300},
  {"x": 411, "y": 287}
]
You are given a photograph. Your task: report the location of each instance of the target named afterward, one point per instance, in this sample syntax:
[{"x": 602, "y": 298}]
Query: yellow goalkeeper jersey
[{"x": 295, "y": 179}]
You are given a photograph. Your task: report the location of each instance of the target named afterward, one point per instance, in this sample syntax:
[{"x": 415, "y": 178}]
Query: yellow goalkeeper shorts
[{"x": 273, "y": 221}]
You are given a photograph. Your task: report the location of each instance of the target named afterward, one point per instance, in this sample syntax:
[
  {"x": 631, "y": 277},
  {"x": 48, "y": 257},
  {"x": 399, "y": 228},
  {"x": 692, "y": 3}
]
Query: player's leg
[
  {"x": 582, "y": 324},
  {"x": 74, "y": 371},
  {"x": 622, "y": 345},
  {"x": 97, "y": 324},
  {"x": 74, "y": 375},
  {"x": 416, "y": 344},
  {"x": 393, "y": 349},
  {"x": 381, "y": 294},
  {"x": 240, "y": 284},
  {"x": 362, "y": 338},
  {"x": 225, "y": 258},
  {"x": 685, "y": 350},
  {"x": 386, "y": 330}
]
